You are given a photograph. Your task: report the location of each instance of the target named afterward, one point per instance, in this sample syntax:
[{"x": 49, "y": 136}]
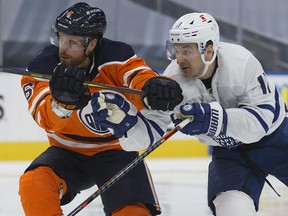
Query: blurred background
[
  {"x": 178, "y": 165},
  {"x": 259, "y": 25}
]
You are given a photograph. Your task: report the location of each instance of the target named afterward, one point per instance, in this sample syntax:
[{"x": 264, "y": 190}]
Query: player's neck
[
  {"x": 209, "y": 71},
  {"x": 86, "y": 64}
]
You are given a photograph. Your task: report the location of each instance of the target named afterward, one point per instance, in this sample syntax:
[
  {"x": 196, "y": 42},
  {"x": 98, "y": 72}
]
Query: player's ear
[
  {"x": 209, "y": 52},
  {"x": 92, "y": 44}
]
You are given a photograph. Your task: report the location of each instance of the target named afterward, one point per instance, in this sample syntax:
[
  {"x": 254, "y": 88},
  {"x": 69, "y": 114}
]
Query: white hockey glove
[
  {"x": 113, "y": 112},
  {"x": 208, "y": 118}
]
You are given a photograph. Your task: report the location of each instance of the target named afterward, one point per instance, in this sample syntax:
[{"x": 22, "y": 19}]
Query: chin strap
[{"x": 207, "y": 64}]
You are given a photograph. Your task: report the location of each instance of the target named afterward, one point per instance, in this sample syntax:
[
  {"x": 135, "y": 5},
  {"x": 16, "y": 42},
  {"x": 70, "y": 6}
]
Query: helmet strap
[
  {"x": 207, "y": 64},
  {"x": 87, "y": 41}
]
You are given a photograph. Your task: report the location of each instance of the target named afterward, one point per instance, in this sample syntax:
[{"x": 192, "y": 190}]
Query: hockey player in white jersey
[{"x": 234, "y": 108}]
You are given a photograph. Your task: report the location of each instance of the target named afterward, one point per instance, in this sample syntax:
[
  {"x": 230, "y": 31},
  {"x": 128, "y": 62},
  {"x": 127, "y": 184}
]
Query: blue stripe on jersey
[
  {"x": 262, "y": 122},
  {"x": 276, "y": 110},
  {"x": 262, "y": 84},
  {"x": 148, "y": 128},
  {"x": 156, "y": 127},
  {"x": 277, "y": 106},
  {"x": 267, "y": 107}
]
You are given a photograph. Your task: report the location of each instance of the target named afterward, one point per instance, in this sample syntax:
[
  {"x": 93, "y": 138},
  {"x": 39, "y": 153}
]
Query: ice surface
[{"x": 181, "y": 185}]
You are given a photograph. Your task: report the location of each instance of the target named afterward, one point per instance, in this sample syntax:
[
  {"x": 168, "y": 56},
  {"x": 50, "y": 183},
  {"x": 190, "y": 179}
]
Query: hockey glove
[
  {"x": 67, "y": 88},
  {"x": 113, "y": 112},
  {"x": 208, "y": 118},
  {"x": 162, "y": 93}
]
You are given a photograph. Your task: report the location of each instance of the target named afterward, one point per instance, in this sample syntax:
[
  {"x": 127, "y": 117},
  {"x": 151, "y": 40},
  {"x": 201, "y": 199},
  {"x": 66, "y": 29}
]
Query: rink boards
[{"x": 172, "y": 148}]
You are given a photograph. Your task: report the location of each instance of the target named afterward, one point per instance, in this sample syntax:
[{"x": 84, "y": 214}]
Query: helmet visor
[
  {"x": 170, "y": 52},
  {"x": 181, "y": 50},
  {"x": 66, "y": 41}
]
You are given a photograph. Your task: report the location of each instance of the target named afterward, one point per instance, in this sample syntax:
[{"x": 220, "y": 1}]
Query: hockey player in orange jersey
[{"x": 93, "y": 133}]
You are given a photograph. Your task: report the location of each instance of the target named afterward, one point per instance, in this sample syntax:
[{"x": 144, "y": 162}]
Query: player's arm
[
  {"x": 38, "y": 96},
  {"x": 259, "y": 105},
  {"x": 161, "y": 93},
  {"x": 135, "y": 130},
  {"x": 52, "y": 103}
]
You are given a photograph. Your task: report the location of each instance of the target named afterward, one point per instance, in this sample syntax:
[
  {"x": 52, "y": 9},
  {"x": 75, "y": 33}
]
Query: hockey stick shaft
[
  {"x": 89, "y": 84},
  {"x": 129, "y": 167}
]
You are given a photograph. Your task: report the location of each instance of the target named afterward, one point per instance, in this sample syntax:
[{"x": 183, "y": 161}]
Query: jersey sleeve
[
  {"x": 38, "y": 96},
  {"x": 152, "y": 123},
  {"x": 37, "y": 90},
  {"x": 124, "y": 68},
  {"x": 260, "y": 109}
]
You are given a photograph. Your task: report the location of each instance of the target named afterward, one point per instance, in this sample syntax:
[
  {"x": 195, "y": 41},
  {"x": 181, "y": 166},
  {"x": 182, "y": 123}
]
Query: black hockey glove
[
  {"x": 67, "y": 88},
  {"x": 162, "y": 93}
]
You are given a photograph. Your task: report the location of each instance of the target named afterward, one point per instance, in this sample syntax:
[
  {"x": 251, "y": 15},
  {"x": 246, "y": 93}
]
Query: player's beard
[{"x": 69, "y": 60}]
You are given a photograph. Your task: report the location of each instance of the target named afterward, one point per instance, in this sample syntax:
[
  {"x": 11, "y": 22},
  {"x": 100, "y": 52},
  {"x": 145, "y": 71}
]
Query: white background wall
[{"x": 16, "y": 124}]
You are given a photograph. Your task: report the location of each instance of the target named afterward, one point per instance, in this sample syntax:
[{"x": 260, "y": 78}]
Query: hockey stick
[
  {"x": 90, "y": 84},
  {"x": 129, "y": 167}
]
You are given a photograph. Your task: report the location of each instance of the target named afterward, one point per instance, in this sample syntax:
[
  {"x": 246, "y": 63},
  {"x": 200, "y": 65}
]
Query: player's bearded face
[
  {"x": 189, "y": 59},
  {"x": 71, "y": 59},
  {"x": 71, "y": 50}
]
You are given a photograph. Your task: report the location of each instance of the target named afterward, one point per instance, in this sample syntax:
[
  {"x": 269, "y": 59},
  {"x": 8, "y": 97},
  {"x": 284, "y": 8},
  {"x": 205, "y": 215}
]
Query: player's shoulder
[
  {"x": 45, "y": 61},
  {"x": 233, "y": 57},
  {"x": 172, "y": 69},
  {"x": 110, "y": 50},
  {"x": 230, "y": 50},
  {"x": 236, "y": 65}
]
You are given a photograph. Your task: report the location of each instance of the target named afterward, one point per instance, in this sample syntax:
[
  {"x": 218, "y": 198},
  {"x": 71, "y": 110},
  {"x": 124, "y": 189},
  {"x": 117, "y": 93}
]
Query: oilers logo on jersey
[{"x": 86, "y": 118}]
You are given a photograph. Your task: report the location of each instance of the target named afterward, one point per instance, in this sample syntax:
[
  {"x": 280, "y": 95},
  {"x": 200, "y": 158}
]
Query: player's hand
[
  {"x": 208, "y": 118},
  {"x": 113, "y": 112},
  {"x": 162, "y": 93},
  {"x": 67, "y": 88}
]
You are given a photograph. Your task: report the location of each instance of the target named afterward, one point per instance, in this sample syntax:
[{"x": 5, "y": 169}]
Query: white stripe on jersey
[{"x": 78, "y": 144}]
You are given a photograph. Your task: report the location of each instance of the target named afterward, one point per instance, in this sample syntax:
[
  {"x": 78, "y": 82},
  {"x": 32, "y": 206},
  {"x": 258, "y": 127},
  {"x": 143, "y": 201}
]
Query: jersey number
[{"x": 28, "y": 90}]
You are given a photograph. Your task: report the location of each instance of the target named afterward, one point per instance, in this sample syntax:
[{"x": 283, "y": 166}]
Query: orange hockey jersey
[{"x": 114, "y": 63}]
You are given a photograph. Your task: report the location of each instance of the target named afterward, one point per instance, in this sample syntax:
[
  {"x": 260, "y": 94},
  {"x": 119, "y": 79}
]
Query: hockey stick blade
[
  {"x": 129, "y": 167},
  {"x": 89, "y": 84}
]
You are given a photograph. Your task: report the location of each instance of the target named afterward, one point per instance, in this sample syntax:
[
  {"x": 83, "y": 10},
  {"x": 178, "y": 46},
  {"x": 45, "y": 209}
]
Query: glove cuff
[
  {"x": 218, "y": 120},
  {"x": 59, "y": 110}
]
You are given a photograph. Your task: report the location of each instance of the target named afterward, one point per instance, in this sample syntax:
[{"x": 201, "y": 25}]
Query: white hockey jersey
[{"x": 253, "y": 105}]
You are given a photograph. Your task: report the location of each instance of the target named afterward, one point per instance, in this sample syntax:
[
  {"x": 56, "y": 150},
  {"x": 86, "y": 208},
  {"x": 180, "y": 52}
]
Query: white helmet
[{"x": 196, "y": 28}]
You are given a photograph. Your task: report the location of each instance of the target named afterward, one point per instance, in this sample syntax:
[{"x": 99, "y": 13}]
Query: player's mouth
[
  {"x": 64, "y": 57},
  {"x": 185, "y": 69}
]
